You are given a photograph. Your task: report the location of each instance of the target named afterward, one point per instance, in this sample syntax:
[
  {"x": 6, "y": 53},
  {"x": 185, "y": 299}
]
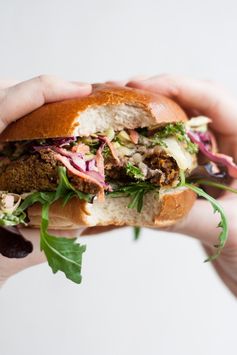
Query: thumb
[{"x": 20, "y": 99}]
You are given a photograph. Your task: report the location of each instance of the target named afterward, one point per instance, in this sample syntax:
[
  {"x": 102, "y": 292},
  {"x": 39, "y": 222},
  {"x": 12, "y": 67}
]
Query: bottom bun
[{"x": 159, "y": 210}]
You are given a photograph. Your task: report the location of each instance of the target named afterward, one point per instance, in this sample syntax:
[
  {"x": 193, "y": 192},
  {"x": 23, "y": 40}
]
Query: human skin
[
  {"x": 16, "y": 100},
  {"x": 196, "y": 97},
  {"x": 199, "y": 97}
]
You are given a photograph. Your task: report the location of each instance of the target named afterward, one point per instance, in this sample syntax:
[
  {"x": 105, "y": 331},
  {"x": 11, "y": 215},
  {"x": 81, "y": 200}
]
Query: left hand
[{"x": 16, "y": 100}]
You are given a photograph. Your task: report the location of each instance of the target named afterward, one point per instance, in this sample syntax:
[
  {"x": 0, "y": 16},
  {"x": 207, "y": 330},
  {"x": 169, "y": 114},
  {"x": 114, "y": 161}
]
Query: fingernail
[{"x": 133, "y": 83}]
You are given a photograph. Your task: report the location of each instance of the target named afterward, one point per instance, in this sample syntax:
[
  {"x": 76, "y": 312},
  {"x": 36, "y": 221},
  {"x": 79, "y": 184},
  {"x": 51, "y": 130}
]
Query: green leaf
[
  {"x": 136, "y": 232},
  {"x": 223, "y": 224},
  {"x": 134, "y": 172},
  {"x": 177, "y": 130},
  {"x": 41, "y": 197},
  {"x": 136, "y": 192},
  {"x": 156, "y": 140},
  {"x": 216, "y": 184},
  {"x": 64, "y": 186},
  {"x": 62, "y": 254},
  {"x": 67, "y": 197}
]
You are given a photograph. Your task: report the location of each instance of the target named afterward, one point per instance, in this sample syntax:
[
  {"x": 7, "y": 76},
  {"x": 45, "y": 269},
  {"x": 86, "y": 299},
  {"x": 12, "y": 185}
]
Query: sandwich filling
[
  {"x": 100, "y": 162},
  {"x": 129, "y": 163}
]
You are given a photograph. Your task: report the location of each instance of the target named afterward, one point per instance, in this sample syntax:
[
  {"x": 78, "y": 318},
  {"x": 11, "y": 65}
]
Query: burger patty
[
  {"x": 166, "y": 167},
  {"x": 160, "y": 169},
  {"x": 39, "y": 172}
]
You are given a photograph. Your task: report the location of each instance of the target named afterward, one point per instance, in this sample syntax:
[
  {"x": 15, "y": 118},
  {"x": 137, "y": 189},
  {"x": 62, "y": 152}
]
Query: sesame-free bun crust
[
  {"x": 158, "y": 211},
  {"x": 107, "y": 106}
]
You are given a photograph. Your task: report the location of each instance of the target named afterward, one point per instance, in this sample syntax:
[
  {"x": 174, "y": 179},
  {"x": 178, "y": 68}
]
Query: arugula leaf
[
  {"x": 223, "y": 224},
  {"x": 65, "y": 190},
  {"x": 178, "y": 130},
  {"x": 136, "y": 192},
  {"x": 134, "y": 172},
  {"x": 65, "y": 187},
  {"x": 41, "y": 197},
  {"x": 137, "y": 232},
  {"x": 62, "y": 254},
  {"x": 216, "y": 184}
]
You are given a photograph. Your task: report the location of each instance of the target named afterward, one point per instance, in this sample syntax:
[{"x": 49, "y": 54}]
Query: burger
[{"x": 118, "y": 157}]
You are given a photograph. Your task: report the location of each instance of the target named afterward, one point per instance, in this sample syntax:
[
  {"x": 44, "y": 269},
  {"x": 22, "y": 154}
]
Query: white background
[{"x": 155, "y": 296}]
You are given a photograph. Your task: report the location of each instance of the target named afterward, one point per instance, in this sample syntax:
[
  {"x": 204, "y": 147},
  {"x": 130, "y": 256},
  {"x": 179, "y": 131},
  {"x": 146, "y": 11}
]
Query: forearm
[{"x": 227, "y": 278}]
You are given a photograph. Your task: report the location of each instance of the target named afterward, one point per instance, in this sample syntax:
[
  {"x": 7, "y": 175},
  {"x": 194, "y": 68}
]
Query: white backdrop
[{"x": 155, "y": 296}]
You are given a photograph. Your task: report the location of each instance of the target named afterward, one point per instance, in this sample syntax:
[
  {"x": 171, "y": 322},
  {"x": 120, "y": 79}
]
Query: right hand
[{"x": 205, "y": 98}]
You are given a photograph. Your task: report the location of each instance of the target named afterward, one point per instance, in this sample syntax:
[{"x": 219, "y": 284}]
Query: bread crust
[
  {"x": 174, "y": 207},
  {"x": 71, "y": 216},
  {"x": 60, "y": 119},
  {"x": 170, "y": 208}
]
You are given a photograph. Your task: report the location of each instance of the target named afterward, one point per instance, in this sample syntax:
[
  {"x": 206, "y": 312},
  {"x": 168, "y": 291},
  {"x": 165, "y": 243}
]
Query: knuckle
[
  {"x": 173, "y": 84},
  {"x": 210, "y": 82},
  {"x": 170, "y": 81},
  {"x": 45, "y": 79},
  {"x": 165, "y": 76},
  {"x": 2, "y": 96},
  {"x": 214, "y": 85},
  {"x": 168, "y": 77},
  {"x": 46, "y": 84},
  {"x": 4, "y": 120}
]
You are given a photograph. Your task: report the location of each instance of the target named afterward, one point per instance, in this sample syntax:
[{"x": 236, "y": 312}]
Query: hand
[
  {"x": 203, "y": 97},
  {"x": 16, "y": 100}
]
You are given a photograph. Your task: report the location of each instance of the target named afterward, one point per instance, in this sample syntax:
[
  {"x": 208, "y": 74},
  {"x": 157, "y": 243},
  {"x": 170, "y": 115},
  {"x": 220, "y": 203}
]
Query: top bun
[{"x": 106, "y": 107}]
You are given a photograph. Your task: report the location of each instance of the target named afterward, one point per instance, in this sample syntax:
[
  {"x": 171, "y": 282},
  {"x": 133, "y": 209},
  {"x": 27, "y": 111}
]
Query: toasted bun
[
  {"x": 161, "y": 210},
  {"x": 116, "y": 107},
  {"x": 107, "y": 107}
]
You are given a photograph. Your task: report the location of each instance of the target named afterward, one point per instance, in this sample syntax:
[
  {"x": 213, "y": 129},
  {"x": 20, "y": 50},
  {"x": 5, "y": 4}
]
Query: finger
[
  {"x": 7, "y": 82},
  {"x": 29, "y": 233},
  {"x": 201, "y": 223},
  {"x": 225, "y": 267},
  {"x": 20, "y": 99},
  {"x": 124, "y": 82},
  {"x": 98, "y": 230},
  {"x": 203, "y": 96},
  {"x": 10, "y": 267}
]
